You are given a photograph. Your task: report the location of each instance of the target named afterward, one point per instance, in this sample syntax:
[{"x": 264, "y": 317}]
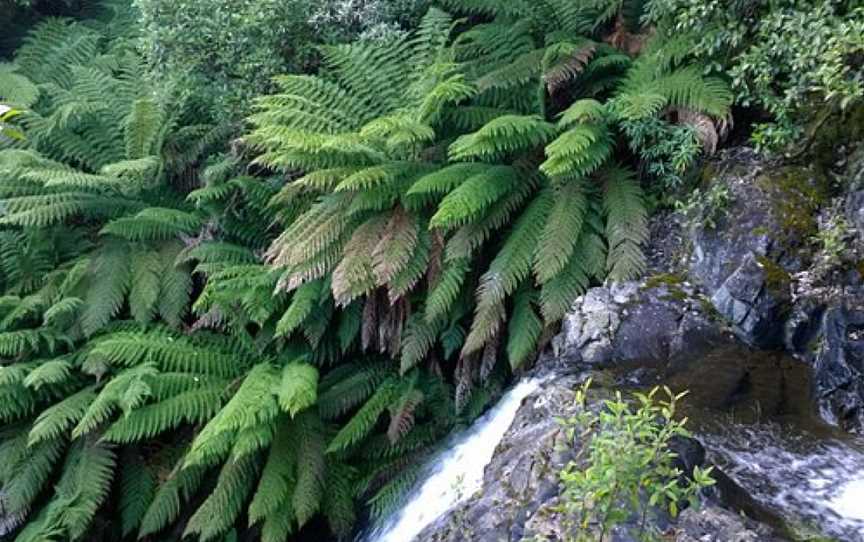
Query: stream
[
  {"x": 751, "y": 410},
  {"x": 456, "y": 473}
]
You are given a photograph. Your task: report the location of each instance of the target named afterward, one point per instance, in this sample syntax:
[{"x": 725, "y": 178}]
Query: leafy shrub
[
  {"x": 626, "y": 467},
  {"x": 223, "y": 52},
  {"x": 786, "y": 58},
  {"x": 705, "y": 208}
]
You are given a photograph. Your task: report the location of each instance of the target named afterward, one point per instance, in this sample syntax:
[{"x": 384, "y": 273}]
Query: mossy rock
[
  {"x": 663, "y": 279},
  {"x": 796, "y": 195},
  {"x": 777, "y": 279}
]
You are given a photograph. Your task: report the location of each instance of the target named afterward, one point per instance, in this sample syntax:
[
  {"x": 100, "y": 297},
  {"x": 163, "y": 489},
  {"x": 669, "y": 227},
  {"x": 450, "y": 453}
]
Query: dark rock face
[
  {"x": 715, "y": 524},
  {"x": 760, "y": 268},
  {"x": 656, "y": 320}
]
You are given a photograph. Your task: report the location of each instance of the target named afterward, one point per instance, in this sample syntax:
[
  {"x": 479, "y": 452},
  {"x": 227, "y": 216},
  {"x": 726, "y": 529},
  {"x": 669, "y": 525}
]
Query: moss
[
  {"x": 708, "y": 308},
  {"x": 663, "y": 279},
  {"x": 797, "y": 193},
  {"x": 761, "y": 230},
  {"x": 777, "y": 280},
  {"x": 671, "y": 283}
]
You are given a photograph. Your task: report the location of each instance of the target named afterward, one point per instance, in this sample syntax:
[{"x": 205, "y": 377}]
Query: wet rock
[
  {"x": 655, "y": 320},
  {"x": 855, "y": 210},
  {"x": 744, "y": 262},
  {"x": 838, "y": 365},
  {"x": 716, "y": 524}
]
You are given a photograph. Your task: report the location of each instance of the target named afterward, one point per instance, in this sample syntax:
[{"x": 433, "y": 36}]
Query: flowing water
[
  {"x": 813, "y": 485},
  {"x": 754, "y": 414},
  {"x": 455, "y": 474}
]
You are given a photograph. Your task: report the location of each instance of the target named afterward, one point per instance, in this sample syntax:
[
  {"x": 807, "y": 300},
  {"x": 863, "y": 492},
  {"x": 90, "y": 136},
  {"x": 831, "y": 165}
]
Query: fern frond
[
  {"x": 626, "y": 224},
  {"x": 299, "y": 387},
  {"x": 218, "y": 513},
  {"x": 503, "y": 137},
  {"x": 524, "y": 328}
]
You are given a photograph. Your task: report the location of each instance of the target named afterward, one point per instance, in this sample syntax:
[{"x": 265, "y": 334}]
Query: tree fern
[{"x": 222, "y": 507}]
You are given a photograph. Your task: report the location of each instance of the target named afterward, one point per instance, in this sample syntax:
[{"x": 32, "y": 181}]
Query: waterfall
[
  {"x": 816, "y": 483},
  {"x": 456, "y": 473}
]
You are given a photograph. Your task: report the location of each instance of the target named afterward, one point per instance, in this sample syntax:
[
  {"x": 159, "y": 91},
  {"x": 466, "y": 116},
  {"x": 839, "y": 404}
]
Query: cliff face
[{"x": 780, "y": 268}]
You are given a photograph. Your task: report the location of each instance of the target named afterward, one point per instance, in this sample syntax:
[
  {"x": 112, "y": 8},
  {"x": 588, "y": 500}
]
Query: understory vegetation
[{"x": 255, "y": 263}]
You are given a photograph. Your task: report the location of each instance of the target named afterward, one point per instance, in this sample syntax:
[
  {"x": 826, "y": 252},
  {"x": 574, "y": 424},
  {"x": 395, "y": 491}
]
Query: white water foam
[
  {"x": 457, "y": 473},
  {"x": 813, "y": 483}
]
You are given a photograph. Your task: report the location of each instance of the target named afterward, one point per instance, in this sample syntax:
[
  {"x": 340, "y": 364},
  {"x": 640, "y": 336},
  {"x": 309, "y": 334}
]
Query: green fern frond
[
  {"x": 524, "y": 328},
  {"x": 503, "y": 137},
  {"x": 626, "y": 224},
  {"x": 299, "y": 387},
  {"x": 218, "y": 513},
  {"x": 473, "y": 196}
]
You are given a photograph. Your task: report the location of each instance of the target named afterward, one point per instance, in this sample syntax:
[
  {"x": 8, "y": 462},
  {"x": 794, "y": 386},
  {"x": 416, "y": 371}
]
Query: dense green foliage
[
  {"x": 627, "y": 469},
  {"x": 794, "y": 60},
  {"x": 238, "y": 46},
  {"x": 219, "y": 330}
]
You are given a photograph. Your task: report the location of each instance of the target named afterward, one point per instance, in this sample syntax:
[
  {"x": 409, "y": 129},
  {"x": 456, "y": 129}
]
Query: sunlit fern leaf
[
  {"x": 473, "y": 196},
  {"x": 434, "y": 185},
  {"x": 253, "y": 404},
  {"x": 469, "y": 238},
  {"x": 251, "y": 440},
  {"x": 298, "y": 389},
  {"x": 503, "y": 137},
  {"x": 578, "y": 152}
]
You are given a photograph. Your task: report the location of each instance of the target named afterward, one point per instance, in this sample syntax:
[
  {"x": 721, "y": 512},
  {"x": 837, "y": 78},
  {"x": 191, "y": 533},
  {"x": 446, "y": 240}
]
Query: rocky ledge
[{"x": 780, "y": 268}]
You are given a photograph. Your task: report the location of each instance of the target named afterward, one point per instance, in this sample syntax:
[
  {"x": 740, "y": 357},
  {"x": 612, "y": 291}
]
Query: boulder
[{"x": 658, "y": 319}]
